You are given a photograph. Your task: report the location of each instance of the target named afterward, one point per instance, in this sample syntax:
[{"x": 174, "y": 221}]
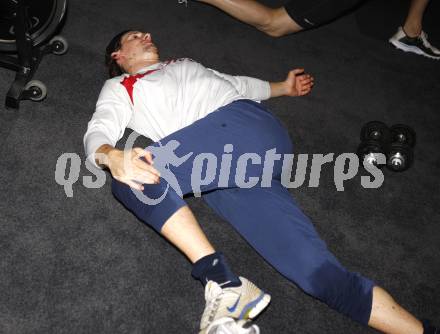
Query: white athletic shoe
[
  {"x": 183, "y": 1},
  {"x": 419, "y": 45},
  {"x": 242, "y": 302},
  {"x": 231, "y": 326}
]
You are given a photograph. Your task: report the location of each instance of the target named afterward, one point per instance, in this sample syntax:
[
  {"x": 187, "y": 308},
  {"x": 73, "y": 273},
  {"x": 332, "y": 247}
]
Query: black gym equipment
[
  {"x": 25, "y": 29},
  {"x": 375, "y": 139},
  {"x": 400, "y": 154},
  {"x": 396, "y": 143}
]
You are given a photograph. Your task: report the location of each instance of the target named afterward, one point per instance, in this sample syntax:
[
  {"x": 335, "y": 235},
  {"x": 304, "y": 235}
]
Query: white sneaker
[
  {"x": 419, "y": 45},
  {"x": 231, "y": 326},
  {"x": 242, "y": 302}
]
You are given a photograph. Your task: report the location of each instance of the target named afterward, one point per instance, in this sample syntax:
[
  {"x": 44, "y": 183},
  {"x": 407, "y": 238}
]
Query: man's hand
[
  {"x": 128, "y": 167},
  {"x": 297, "y": 83}
]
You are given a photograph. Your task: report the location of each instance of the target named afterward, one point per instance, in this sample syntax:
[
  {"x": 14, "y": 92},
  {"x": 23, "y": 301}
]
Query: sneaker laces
[{"x": 213, "y": 296}]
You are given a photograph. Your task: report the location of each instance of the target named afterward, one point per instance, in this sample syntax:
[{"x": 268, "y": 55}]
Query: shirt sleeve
[
  {"x": 250, "y": 88},
  {"x": 112, "y": 115}
]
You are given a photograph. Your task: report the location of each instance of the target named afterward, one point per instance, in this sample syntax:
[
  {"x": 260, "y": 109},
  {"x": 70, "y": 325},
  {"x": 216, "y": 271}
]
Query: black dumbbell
[
  {"x": 400, "y": 155},
  {"x": 376, "y": 130},
  {"x": 375, "y": 140}
]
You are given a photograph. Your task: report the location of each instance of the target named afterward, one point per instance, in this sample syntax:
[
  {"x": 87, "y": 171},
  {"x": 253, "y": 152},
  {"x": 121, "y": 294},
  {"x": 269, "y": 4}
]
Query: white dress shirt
[{"x": 164, "y": 98}]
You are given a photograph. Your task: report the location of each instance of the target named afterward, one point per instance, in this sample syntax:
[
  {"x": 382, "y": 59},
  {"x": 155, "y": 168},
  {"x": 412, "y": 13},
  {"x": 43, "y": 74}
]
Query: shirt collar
[{"x": 149, "y": 68}]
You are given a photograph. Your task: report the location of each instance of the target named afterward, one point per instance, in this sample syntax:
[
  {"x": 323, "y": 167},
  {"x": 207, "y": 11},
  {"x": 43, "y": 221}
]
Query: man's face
[{"x": 136, "y": 47}]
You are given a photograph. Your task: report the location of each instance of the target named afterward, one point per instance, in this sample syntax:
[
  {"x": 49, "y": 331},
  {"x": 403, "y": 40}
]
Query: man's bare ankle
[{"x": 412, "y": 31}]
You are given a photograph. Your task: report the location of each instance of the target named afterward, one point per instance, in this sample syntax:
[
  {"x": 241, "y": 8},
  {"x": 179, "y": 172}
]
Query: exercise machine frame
[{"x": 27, "y": 60}]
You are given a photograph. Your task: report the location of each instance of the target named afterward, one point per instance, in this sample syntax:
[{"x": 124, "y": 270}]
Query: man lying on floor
[{"x": 207, "y": 112}]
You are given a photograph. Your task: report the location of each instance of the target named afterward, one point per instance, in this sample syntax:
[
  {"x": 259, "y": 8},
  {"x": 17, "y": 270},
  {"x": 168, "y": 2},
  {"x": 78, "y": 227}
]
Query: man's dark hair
[{"x": 115, "y": 44}]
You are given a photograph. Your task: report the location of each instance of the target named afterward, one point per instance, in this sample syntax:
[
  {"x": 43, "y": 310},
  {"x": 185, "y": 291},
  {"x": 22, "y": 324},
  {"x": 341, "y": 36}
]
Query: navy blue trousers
[{"x": 267, "y": 217}]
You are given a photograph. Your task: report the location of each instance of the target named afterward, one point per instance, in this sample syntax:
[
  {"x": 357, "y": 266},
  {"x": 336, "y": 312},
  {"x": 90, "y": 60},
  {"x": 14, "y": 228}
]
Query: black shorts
[{"x": 313, "y": 13}]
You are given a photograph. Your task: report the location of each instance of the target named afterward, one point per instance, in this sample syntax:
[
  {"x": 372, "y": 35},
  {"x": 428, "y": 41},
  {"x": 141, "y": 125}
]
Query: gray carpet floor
[{"x": 83, "y": 264}]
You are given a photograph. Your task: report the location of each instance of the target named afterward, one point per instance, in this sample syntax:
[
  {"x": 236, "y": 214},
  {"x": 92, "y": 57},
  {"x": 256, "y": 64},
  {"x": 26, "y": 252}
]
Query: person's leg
[
  {"x": 274, "y": 22},
  {"x": 413, "y": 22},
  {"x": 159, "y": 205},
  {"x": 184, "y": 232},
  {"x": 411, "y": 37},
  {"x": 240, "y": 125},
  {"x": 272, "y": 223},
  {"x": 389, "y": 317},
  {"x": 276, "y": 228},
  {"x": 295, "y": 16},
  {"x": 172, "y": 218},
  {"x": 176, "y": 222}
]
